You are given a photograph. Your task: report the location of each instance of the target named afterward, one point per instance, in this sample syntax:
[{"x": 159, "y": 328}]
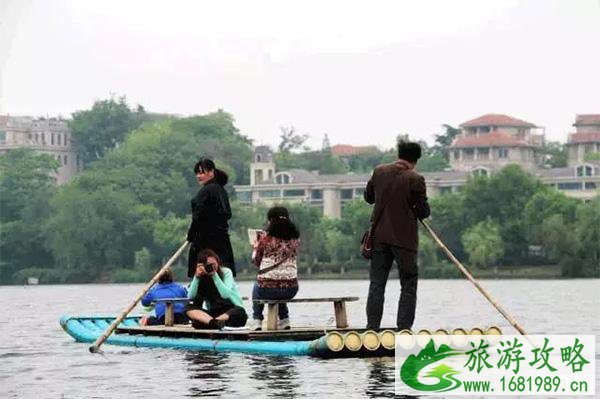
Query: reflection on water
[
  {"x": 380, "y": 382},
  {"x": 276, "y": 376},
  {"x": 208, "y": 371}
]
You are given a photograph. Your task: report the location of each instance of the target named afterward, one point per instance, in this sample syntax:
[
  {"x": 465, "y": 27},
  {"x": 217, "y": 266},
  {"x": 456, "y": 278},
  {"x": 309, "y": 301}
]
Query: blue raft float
[{"x": 316, "y": 342}]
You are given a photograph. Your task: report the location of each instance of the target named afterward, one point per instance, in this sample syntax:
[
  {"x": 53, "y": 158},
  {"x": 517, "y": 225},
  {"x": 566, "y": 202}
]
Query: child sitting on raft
[
  {"x": 216, "y": 300},
  {"x": 165, "y": 289},
  {"x": 275, "y": 255}
]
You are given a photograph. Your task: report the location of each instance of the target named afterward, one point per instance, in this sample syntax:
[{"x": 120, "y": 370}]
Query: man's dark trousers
[{"x": 381, "y": 263}]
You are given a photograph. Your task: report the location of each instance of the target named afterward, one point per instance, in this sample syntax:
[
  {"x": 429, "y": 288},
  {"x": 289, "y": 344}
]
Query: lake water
[{"x": 38, "y": 359}]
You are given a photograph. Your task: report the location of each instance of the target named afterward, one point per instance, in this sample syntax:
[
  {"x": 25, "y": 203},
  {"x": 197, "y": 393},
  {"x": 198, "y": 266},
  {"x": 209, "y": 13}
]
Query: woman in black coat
[{"x": 210, "y": 213}]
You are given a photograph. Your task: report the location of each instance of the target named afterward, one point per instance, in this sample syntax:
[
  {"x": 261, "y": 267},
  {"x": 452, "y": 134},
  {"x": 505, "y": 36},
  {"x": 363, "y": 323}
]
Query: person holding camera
[
  {"x": 216, "y": 300},
  {"x": 275, "y": 254},
  {"x": 210, "y": 212}
]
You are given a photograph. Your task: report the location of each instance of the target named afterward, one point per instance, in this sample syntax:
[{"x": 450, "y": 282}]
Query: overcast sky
[{"x": 362, "y": 72}]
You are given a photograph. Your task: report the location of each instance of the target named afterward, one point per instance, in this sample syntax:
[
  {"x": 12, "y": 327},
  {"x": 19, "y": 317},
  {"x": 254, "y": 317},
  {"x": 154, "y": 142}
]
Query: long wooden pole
[
  {"x": 95, "y": 348},
  {"x": 465, "y": 271}
]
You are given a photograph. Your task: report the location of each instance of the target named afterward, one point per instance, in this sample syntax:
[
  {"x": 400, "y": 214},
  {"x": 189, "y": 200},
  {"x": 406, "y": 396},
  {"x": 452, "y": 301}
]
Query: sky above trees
[{"x": 361, "y": 72}]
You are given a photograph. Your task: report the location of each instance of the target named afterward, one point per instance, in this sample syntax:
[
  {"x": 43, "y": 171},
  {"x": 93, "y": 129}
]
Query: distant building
[
  {"x": 342, "y": 150},
  {"x": 484, "y": 146},
  {"x": 492, "y": 141},
  {"x": 585, "y": 140},
  {"x": 45, "y": 135}
]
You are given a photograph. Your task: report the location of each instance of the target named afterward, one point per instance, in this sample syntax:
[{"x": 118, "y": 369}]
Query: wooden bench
[
  {"x": 169, "y": 304},
  {"x": 339, "y": 307}
]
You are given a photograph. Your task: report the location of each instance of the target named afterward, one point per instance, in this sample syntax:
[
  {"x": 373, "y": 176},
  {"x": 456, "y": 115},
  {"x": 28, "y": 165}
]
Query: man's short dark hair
[{"x": 409, "y": 151}]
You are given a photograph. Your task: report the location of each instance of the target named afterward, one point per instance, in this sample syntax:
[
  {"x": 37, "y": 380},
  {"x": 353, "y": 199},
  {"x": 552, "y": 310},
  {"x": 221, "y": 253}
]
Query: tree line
[{"x": 129, "y": 209}]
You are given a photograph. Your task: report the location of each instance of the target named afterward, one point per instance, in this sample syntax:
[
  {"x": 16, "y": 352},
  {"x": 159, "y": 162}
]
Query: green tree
[
  {"x": 26, "y": 185},
  {"x": 290, "y": 140},
  {"x": 23, "y": 174},
  {"x": 553, "y": 154},
  {"x": 483, "y": 243},
  {"x": 103, "y": 127},
  {"x": 444, "y": 140},
  {"x": 541, "y": 206}
]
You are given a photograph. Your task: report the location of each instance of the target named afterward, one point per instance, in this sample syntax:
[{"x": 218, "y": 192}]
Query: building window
[
  {"x": 244, "y": 197},
  {"x": 483, "y": 153},
  {"x": 502, "y": 153},
  {"x": 346, "y": 194},
  {"x": 52, "y": 139},
  {"x": 585, "y": 170},
  {"x": 2, "y": 136},
  {"x": 485, "y": 129},
  {"x": 468, "y": 154},
  {"x": 65, "y": 159},
  {"x": 258, "y": 176},
  {"x": 283, "y": 179},
  {"x": 316, "y": 194},
  {"x": 590, "y": 186},
  {"x": 445, "y": 190},
  {"x": 359, "y": 192},
  {"x": 43, "y": 138},
  {"x": 270, "y": 175},
  {"x": 589, "y": 148},
  {"x": 269, "y": 193},
  {"x": 294, "y": 193},
  {"x": 569, "y": 186},
  {"x": 258, "y": 158},
  {"x": 480, "y": 172},
  {"x": 37, "y": 137}
]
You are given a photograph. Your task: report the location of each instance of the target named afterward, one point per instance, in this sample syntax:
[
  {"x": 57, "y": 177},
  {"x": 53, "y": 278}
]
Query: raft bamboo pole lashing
[
  {"x": 352, "y": 341},
  {"x": 423, "y": 337},
  {"x": 95, "y": 348},
  {"x": 465, "y": 271},
  {"x": 370, "y": 340},
  {"x": 387, "y": 338},
  {"x": 406, "y": 339}
]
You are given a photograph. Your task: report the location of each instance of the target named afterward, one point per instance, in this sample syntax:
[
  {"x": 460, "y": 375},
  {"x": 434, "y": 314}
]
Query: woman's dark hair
[
  {"x": 203, "y": 257},
  {"x": 166, "y": 277},
  {"x": 207, "y": 165},
  {"x": 280, "y": 225}
]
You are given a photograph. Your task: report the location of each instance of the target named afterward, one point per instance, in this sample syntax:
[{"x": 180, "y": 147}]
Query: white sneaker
[
  {"x": 255, "y": 325},
  {"x": 283, "y": 324}
]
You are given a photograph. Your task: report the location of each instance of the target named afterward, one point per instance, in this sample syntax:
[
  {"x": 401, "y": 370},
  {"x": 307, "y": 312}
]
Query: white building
[
  {"x": 485, "y": 145},
  {"x": 46, "y": 135}
]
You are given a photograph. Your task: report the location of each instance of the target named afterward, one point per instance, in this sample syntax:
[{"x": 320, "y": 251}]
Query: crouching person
[
  {"x": 216, "y": 299},
  {"x": 166, "y": 289}
]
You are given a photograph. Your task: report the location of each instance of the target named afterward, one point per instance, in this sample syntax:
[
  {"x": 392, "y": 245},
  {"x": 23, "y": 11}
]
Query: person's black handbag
[{"x": 366, "y": 243}]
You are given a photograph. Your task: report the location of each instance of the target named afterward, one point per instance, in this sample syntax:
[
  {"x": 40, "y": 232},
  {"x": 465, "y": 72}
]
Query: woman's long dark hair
[
  {"x": 207, "y": 165},
  {"x": 280, "y": 225}
]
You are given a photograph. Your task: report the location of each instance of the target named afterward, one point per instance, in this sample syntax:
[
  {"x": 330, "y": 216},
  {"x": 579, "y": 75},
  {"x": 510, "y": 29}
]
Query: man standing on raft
[{"x": 400, "y": 198}]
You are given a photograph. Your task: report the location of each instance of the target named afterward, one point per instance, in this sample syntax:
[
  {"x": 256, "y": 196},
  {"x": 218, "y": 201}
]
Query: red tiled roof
[
  {"x": 349, "y": 150},
  {"x": 494, "y": 139},
  {"x": 584, "y": 137},
  {"x": 497, "y": 120},
  {"x": 587, "y": 119}
]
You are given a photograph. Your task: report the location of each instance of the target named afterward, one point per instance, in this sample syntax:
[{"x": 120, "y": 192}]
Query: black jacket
[{"x": 209, "y": 227}]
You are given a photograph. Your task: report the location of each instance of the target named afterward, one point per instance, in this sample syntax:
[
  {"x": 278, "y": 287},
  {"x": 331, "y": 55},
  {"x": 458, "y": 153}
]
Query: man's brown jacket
[{"x": 404, "y": 194}]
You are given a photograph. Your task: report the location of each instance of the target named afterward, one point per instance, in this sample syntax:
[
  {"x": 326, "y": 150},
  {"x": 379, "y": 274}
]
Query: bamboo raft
[{"x": 322, "y": 342}]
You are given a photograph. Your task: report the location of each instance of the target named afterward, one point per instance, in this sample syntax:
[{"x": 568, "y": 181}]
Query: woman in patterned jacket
[{"x": 275, "y": 254}]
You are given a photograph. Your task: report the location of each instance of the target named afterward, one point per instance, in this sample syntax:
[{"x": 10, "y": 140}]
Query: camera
[{"x": 210, "y": 268}]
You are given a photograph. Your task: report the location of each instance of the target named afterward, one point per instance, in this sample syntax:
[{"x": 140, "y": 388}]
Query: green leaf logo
[{"x": 409, "y": 372}]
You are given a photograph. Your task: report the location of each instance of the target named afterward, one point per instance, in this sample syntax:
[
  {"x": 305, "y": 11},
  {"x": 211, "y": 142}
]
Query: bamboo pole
[
  {"x": 466, "y": 272},
  {"x": 95, "y": 348}
]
